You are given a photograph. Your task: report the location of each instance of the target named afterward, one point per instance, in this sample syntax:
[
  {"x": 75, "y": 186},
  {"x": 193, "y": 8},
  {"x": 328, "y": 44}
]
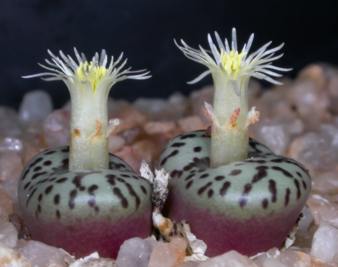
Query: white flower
[
  {"x": 234, "y": 63},
  {"x": 99, "y": 71}
]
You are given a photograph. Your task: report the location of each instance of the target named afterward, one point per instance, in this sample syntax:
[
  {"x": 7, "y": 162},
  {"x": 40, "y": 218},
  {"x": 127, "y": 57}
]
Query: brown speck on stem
[{"x": 76, "y": 132}]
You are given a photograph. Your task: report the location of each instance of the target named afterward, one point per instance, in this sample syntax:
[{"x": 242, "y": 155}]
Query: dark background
[{"x": 144, "y": 30}]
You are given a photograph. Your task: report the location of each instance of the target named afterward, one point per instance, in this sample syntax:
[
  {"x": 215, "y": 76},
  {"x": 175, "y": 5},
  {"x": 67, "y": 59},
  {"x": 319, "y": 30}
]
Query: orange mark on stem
[{"x": 233, "y": 118}]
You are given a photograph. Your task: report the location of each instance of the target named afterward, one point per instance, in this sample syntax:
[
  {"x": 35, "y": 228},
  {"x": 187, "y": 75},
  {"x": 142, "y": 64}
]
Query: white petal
[{"x": 200, "y": 77}]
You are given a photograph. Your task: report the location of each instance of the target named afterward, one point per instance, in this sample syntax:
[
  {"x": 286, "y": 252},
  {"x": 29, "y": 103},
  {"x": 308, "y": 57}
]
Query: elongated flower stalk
[
  {"x": 89, "y": 83},
  {"x": 231, "y": 70}
]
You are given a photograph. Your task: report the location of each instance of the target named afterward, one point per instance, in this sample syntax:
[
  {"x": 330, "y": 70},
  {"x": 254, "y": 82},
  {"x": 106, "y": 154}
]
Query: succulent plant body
[
  {"x": 81, "y": 198},
  {"x": 234, "y": 192}
]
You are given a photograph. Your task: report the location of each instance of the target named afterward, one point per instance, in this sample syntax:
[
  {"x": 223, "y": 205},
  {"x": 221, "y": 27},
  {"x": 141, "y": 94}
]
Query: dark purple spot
[
  {"x": 273, "y": 190},
  {"x": 117, "y": 192},
  {"x": 189, "y": 184},
  {"x": 47, "y": 163},
  {"x": 92, "y": 188},
  {"x": 37, "y": 168},
  {"x": 50, "y": 152},
  {"x": 134, "y": 195},
  {"x": 144, "y": 190},
  {"x": 287, "y": 196},
  {"x": 278, "y": 160},
  {"x": 285, "y": 172},
  {"x": 247, "y": 189},
  {"x": 304, "y": 185},
  {"x": 235, "y": 172},
  {"x": 66, "y": 149},
  {"x": 224, "y": 188},
  {"x": 202, "y": 189},
  {"x": 72, "y": 196},
  {"x": 298, "y": 188},
  {"x": 260, "y": 174},
  {"x": 61, "y": 180},
  {"x": 36, "y": 162},
  {"x": 57, "y": 214},
  {"x": 187, "y": 136},
  {"x": 36, "y": 175},
  {"x": 265, "y": 203},
  {"x": 178, "y": 144},
  {"x": 40, "y": 197},
  {"x": 65, "y": 162},
  {"x": 48, "y": 189},
  {"x": 172, "y": 154},
  {"x": 242, "y": 202},
  {"x": 77, "y": 182},
  {"x": 56, "y": 199},
  {"x": 210, "y": 193},
  {"x": 176, "y": 173},
  {"x": 189, "y": 177},
  {"x": 26, "y": 185},
  {"x": 92, "y": 202},
  {"x": 299, "y": 174},
  {"x": 197, "y": 149},
  {"x": 204, "y": 176},
  {"x": 189, "y": 166},
  {"x": 30, "y": 196},
  {"x": 111, "y": 179},
  {"x": 219, "y": 178}
]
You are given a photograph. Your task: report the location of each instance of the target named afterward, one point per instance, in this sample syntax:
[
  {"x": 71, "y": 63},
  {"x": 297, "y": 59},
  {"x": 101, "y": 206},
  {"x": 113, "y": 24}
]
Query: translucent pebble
[
  {"x": 115, "y": 143},
  {"x": 128, "y": 154},
  {"x": 325, "y": 243},
  {"x": 156, "y": 108},
  {"x": 310, "y": 102},
  {"x": 11, "y": 144},
  {"x": 145, "y": 149},
  {"x": 101, "y": 262},
  {"x": 8, "y": 234},
  {"x": 159, "y": 127},
  {"x": 285, "y": 258},
  {"x": 315, "y": 151},
  {"x": 190, "y": 264},
  {"x": 10, "y": 165},
  {"x": 168, "y": 254},
  {"x": 273, "y": 134},
  {"x": 325, "y": 183},
  {"x": 191, "y": 123},
  {"x": 56, "y": 128},
  {"x": 9, "y": 125},
  {"x": 6, "y": 205},
  {"x": 135, "y": 252},
  {"x": 229, "y": 259},
  {"x": 42, "y": 255},
  {"x": 93, "y": 260},
  {"x": 11, "y": 258},
  {"x": 130, "y": 135},
  {"x": 35, "y": 106},
  {"x": 323, "y": 210}
]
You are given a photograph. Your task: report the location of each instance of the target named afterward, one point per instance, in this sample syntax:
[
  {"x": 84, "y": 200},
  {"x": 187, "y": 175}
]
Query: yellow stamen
[
  {"x": 90, "y": 72},
  {"x": 231, "y": 62}
]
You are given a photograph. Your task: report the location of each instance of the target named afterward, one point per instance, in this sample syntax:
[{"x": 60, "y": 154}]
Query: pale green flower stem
[
  {"x": 89, "y": 126},
  {"x": 228, "y": 143}
]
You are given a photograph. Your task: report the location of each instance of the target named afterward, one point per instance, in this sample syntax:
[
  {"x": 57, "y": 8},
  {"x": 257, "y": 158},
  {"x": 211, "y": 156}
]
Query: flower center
[
  {"x": 91, "y": 73},
  {"x": 231, "y": 62}
]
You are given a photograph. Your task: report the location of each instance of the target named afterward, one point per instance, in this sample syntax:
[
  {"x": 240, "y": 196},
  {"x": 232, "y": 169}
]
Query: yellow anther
[
  {"x": 231, "y": 62},
  {"x": 90, "y": 72}
]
